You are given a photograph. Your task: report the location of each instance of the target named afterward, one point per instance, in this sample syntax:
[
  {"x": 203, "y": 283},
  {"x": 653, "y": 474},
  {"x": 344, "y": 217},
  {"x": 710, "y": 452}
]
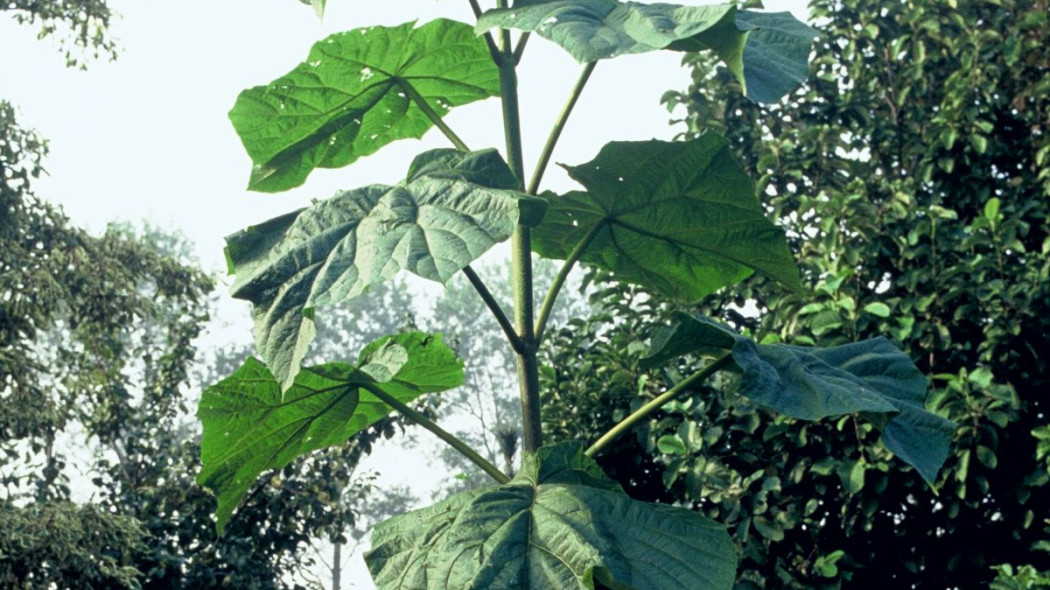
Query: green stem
[
  {"x": 520, "y": 49},
  {"x": 559, "y": 126},
  {"x": 559, "y": 281},
  {"x": 434, "y": 117},
  {"x": 521, "y": 256},
  {"x": 493, "y": 50},
  {"x": 641, "y": 413},
  {"x": 441, "y": 433},
  {"x": 497, "y": 311}
]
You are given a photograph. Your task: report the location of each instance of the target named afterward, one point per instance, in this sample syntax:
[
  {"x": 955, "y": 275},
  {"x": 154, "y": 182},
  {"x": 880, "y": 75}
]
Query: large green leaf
[
  {"x": 249, "y": 427},
  {"x": 354, "y": 94},
  {"x": 547, "y": 529},
  {"x": 768, "y": 52},
  {"x": 452, "y": 209},
  {"x": 872, "y": 377},
  {"x": 679, "y": 217}
]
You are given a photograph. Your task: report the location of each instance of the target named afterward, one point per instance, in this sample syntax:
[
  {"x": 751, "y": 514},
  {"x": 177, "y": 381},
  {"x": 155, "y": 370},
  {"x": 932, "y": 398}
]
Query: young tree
[{"x": 680, "y": 218}]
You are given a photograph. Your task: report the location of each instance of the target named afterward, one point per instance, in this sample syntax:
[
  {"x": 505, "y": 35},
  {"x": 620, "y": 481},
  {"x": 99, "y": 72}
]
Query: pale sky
[{"x": 147, "y": 137}]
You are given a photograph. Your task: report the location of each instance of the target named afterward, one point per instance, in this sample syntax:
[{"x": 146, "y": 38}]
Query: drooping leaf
[
  {"x": 767, "y": 52},
  {"x": 679, "y": 217},
  {"x": 872, "y": 377},
  {"x": 451, "y": 210},
  {"x": 598, "y": 29},
  {"x": 540, "y": 532},
  {"x": 354, "y": 94},
  {"x": 776, "y": 55},
  {"x": 250, "y": 428}
]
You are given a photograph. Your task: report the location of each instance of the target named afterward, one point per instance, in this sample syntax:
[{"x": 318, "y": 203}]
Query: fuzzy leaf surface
[
  {"x": 767, "y": 52},
  {"x": 450, "y": 211},
  {"x": 353, "y": 95},
  {"x": 548, "y": 529},
  {"x": 250, "y": 428},
  {"x": 678, "y": 217},
  {"x": 872, "y": 377}
]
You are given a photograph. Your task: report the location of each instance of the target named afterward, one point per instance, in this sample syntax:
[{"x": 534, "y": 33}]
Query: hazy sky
[{"x": 146, "y": 136}]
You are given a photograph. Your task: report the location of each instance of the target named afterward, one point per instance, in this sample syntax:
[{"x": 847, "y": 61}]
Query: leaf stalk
[
  {"x": 497, "y": 311},
  {"x": 520, "y": 49},
  {"x": 441, "y": 433},
  {"x": 552, "y": 294},
  {"x": 559, "y": 126},
  {"x": 494, "y": 51},
  {"x": 660, "y": 401},
  {"x": 434, "y": 117}
]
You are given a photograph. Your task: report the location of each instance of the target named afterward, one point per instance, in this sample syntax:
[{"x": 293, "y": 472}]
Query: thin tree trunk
[{"x": 337, "y": 565}]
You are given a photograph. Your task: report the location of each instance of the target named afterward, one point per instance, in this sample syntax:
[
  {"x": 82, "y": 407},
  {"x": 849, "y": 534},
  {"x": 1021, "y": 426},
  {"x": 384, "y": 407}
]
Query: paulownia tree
[{"x": 681, "y": 218}]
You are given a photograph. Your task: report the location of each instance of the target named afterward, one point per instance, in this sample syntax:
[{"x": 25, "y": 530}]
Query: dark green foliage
[
  {"x": 912, "y": 176},
  {"x": 68, "y": 546}
]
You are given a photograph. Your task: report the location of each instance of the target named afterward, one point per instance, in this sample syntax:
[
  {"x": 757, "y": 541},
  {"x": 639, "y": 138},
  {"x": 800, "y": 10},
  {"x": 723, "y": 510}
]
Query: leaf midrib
[{"x": 237, "y": 447}]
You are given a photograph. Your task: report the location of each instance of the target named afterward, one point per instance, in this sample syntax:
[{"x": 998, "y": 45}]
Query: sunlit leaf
[
  {"x": 353, "y": 95},
  {"x": 678, "y": 217},
  {"x": 872, "y": 377},
  {"x": 250, "y": 428},
  {"x": 450, "y": 211},
  {"x": 539, "y": 532}
]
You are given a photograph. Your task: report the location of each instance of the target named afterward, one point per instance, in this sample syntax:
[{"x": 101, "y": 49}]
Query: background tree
[
  {"x": 916, "y": 170},
  {"x": 96, "y": 361},
  {"x": 82, "y": 26}
]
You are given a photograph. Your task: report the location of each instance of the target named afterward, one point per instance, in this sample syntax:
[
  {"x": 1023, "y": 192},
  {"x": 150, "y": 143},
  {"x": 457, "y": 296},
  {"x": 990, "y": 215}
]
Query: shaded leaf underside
[
  {"x": 872, "y": 377},
  {"x": 767, "y": 52}
]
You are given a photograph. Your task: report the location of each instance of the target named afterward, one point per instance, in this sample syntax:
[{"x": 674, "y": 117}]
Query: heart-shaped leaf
[
  {"x": 452, "y": 209},
  {"x": 678, "y": 217},
  {"x": 871, "y": 377},
  {"x": 543, "y": 532},
  {"x": 249, "y": 427},
  {"x": 768, "y": 52},
  {"x": 355, "y": 93}
]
